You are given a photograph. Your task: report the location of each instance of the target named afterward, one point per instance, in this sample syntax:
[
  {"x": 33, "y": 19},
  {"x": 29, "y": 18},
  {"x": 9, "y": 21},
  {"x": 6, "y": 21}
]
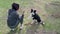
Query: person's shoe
[
  {"x": 21, "y": 27},
  {"x": 12, "y": 29}
]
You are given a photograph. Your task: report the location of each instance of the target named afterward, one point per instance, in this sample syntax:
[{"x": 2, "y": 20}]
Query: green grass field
[{"x": 45, "y": 8}]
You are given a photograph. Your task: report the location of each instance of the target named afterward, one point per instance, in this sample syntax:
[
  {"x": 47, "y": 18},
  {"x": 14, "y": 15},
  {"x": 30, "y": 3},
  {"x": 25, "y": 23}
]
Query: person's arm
[{"x": 21, "y": 18}]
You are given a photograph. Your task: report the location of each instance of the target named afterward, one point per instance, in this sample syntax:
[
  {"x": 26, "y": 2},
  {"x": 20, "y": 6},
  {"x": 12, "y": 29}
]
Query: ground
[{"x": 49, "y": 11}]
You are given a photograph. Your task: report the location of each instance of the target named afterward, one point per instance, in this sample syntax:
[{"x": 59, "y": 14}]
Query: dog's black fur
[{"x": 35, "y": 16}]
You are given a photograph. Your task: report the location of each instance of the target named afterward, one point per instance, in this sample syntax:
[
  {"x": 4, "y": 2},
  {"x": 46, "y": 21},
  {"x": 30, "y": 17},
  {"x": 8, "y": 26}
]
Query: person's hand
[{"x": 23, "y": 13}]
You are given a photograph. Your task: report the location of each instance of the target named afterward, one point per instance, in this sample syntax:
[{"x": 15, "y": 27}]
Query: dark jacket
[{"x": 13, "y": 18}]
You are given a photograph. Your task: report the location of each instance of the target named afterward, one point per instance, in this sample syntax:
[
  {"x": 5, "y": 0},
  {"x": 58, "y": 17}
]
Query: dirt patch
[
  {"x": 53, "y": 8},
  {"x": 34, "y": 29}
]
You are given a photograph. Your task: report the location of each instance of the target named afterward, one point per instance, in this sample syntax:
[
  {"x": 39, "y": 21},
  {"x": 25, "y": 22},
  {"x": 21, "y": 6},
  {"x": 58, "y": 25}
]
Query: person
[{"x": 13, "y": 17}]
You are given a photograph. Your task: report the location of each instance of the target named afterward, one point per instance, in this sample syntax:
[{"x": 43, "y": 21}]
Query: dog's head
[{"x": 33, "y": 12}]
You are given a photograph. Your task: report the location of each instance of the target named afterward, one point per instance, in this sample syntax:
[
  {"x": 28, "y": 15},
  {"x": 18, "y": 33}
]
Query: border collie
[{"x": 36, "y": 17}]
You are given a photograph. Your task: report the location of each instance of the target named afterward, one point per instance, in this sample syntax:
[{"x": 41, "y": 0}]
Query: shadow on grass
[
  {"x": 15, "y": 31},
  {"x": 32, "y": 29},
  {"x": 19, "y": 32},
  {"x": 11, "y": 32}
]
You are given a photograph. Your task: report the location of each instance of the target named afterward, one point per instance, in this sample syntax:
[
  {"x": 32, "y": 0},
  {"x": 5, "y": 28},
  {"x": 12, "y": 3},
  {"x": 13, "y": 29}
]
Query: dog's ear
[
  {"x": 34, "y": 11},
  {"x": 31, "y": 10}
]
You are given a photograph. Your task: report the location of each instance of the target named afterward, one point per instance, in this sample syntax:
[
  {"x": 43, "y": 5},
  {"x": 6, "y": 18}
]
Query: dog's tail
[{"x": 42, "y": 22}]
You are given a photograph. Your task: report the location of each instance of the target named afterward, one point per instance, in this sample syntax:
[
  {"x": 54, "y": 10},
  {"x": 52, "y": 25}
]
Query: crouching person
[{"x": 13, "y": 17}]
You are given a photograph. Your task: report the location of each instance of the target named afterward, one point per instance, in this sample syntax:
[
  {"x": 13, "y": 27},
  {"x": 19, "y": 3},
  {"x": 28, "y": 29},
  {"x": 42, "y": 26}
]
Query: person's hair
[{"x": 15, "y": 6}]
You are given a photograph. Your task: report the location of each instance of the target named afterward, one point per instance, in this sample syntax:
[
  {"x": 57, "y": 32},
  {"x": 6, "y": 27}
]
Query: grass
[{"x": 51, "y": 22}]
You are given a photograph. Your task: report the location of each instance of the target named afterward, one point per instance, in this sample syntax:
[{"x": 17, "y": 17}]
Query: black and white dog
[{"x": 36, "y": 17}]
